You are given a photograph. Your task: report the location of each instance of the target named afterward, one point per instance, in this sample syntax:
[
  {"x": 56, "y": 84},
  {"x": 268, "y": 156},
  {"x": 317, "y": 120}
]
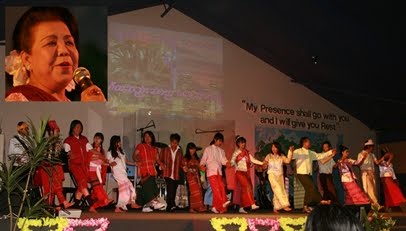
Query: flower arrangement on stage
[
  {"x": 376, "y": 221},
  {"x": 273, "y": 224},
  {"x": 62, "y": 224},
  {"x": 219, "y": 223},
  {"x": 288, "y": 224},
  {"x": 59, "y": 223},
  {"x": 282, "y": 223}
]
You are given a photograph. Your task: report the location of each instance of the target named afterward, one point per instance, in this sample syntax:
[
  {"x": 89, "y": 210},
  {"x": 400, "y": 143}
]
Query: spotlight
[{"x": 315, "y": 59}]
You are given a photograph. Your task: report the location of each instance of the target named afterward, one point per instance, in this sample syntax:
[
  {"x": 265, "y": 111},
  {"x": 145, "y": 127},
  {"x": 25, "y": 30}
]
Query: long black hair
[
  {"x": 189, "y": 146},
  {"x": 101, "y": 136},
  {"x": 332, "y": 217},
  {"x": 114, "y": 140},
  {"x": 151, "y": 134},
  {"x": 277, "y": 146},
  {"x": 73, "y": 125},
  {"x": 343, "y": 148}
]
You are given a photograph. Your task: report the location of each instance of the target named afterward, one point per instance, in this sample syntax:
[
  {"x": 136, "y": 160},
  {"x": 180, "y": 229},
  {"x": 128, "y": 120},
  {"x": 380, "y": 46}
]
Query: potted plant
[{"x": 18, "y": 181}]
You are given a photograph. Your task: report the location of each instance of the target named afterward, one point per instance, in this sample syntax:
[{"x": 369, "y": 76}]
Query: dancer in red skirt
[
  {"x": 354, "y": 195},
  {"x": 393, "y": 195},
  {"x": 50, "y": 175},
  {"x": 190, "y": 165},
  {"x": 242, "y": 161},
  {"x": 96, "y": 178}
]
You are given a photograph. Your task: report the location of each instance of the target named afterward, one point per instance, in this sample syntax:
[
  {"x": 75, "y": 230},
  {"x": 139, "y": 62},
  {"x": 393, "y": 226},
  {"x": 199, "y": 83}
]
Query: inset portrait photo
[{"x": 56, "y": 54}]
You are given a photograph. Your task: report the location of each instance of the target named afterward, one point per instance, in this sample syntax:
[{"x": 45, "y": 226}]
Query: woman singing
[{"x": 45, "y": 57}]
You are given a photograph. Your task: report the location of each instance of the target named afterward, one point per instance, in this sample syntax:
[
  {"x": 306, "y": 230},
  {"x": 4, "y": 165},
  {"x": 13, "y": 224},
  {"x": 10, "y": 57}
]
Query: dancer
[
  {"x": 99, "y": 195},
  {"x": 326, "y": 175},
  {"x": 242, "y": 161},
  {"x": 146, "y": 156},
  {"x": 118, "y": 162},
  {"x": 368, "y": 171},
  {"x": 354, "y": 195},
  {"x": 79, "y": 153},
  {"x": 212, "y": 161},
  {"x": 50, "y": 175},
  {"x": 18, "y": 145},
  {"x": 171, "y": 158},
  {"x": 190, "y": 165},
  {"x": 304, "y": 160},
  {"x": 393, "y": 195},
  {"x": 275, "y": 161}
]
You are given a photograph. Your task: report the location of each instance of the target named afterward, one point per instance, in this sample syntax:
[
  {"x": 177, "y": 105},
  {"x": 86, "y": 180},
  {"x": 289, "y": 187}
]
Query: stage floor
[{"x": 181, "y": 220}]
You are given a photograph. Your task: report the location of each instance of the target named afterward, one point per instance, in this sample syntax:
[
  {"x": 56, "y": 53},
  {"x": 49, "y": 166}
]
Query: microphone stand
[{"x": 149, "y": 125}]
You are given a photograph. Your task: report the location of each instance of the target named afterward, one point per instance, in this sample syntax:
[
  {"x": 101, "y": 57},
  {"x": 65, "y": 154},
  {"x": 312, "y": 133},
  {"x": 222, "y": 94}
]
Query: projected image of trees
[{"x": 164, "y": 71}]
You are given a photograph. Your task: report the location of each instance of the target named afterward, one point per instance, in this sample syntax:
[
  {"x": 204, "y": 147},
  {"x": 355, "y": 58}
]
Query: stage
[{"x": 181, "y": 220}]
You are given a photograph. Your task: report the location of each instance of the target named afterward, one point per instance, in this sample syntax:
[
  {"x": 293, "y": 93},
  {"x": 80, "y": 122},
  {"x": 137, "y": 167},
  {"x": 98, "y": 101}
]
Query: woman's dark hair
[
  {"x": 101, "y": 136},
  {"x": 303, "y": 140},
  {"x": 22, "y": 35},
  {"x": 240, "y": 139},
  {"x": 174, "y": 136},
  {"x": 332, "y": 217},
  {"x": 342, "y": 148},
  {"x": 114, "y": 140},
  {"x": 73, "y": 125},
  {"x": 151, "y": 134},
  {"x": 189, "y": 146},
  {"x": 277, "y": 146},
  {"x": 326, "y": 142},
  {"x": 217, "y": 136}
]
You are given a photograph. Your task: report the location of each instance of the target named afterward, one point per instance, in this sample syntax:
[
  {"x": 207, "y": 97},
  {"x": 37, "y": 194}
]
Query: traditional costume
[
  {"x": 214, "y": 158},
  {"x": 99, "y": 195},
  {"x": 126, "y": 190},
  {"x": 148, "y": 156},
  {"x": 368, "y": 176},
  {"x": 304, "y": 161},
  {"x": 79, "y": 159},
  {"x": 242, "y": 160},
  {"x": 354, "y": 195},
  {"x": 28, "y": 93},
  {"x": 172, "y": 160},
  {"x": 277, "y": 179},
  {"x": 194, "y": 184},
  {"x": 393, "y": 195}
]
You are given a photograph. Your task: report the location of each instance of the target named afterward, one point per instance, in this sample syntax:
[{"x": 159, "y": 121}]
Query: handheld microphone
[{"x": 81, "y": 76}]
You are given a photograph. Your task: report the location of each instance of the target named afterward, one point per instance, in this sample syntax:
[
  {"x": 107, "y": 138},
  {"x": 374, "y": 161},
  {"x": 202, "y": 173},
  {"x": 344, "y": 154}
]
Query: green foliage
[
  {"x": 377, "y": 221},
  {"x": 18, "y": 181}
]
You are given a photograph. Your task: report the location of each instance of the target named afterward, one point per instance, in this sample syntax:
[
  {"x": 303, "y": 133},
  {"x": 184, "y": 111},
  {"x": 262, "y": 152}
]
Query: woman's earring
[{"x": 28, "y": 67}]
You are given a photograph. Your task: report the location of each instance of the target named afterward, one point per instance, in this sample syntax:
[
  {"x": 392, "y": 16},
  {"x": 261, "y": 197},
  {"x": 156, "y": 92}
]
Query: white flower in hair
[{"x": 15, "y": 67}]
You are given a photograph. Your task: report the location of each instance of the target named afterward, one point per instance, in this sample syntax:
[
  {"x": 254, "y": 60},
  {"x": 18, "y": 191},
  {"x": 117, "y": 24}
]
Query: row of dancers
[{"x": 88, "y": 163}]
